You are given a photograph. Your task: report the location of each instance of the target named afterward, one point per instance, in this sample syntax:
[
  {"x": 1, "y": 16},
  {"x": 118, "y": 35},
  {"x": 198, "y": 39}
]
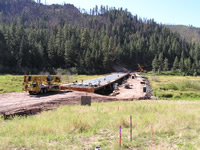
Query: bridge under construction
[
  {"x": 21, "y": 103},
  {"x": 99, "y": 85}
]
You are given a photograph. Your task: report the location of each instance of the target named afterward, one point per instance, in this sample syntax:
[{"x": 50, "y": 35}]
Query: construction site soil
[{"x": 21, "y": 103}]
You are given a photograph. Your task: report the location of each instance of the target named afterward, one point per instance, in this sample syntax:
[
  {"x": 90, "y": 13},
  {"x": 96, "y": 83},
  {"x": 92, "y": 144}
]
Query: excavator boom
[{"x": 141, "y": 69}]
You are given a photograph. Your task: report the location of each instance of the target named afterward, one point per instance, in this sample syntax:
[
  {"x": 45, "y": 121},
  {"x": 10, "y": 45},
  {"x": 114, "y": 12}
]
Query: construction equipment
[
  {"x": 141, "y": 69},
  {"x": 126, "y": 86},
  {"x": 41, "y": 84}
]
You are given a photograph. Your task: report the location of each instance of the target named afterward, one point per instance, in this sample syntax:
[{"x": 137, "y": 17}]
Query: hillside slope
[
  {"x": 31, "y": 14},
  {"x": 36, "y": 37},
  {"x": 190, "y": 34}
]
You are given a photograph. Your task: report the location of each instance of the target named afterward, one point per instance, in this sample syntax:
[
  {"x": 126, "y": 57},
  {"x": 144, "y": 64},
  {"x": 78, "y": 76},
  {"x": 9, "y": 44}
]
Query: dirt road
[{"x": 21, "y": 103}]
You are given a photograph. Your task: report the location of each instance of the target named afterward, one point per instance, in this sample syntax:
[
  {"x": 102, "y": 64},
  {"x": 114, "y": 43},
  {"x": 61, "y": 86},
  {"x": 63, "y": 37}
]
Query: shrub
[
  {"x": 189, "y": 84},
  {"x": 61, "y": 71},
  {"x": 155, "y": 78},
  {"x": 165, "y": 95},
  {"x": 171, "y": 86}
]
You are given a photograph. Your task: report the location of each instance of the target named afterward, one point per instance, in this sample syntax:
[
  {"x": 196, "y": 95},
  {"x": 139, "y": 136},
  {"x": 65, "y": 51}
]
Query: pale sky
[{"x": 179, "y": 12}]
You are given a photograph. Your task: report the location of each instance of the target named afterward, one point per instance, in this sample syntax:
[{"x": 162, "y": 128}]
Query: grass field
[
  {"x": 175, "y": 126},
  {"x": 10, "y": 83},
  {"x": 13, "y": 83},
  {"x": 175, "y": 87}
]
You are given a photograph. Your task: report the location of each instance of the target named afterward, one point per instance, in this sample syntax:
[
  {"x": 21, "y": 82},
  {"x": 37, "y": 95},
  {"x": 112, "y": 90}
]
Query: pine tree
[
  {"x": 187, "y": 63},
  {"x": 166, "y": 65},
  {"x": 181, "y": 63},
  {"x": 3, "y": 52},
  {"x": 155, "y": 64},
  {"x": 69, "y": 54},
  {"x": 88, "y": 62},
  {"x": 160, "y": 62},
  {"x": 52, "y": 51},
  {"x": 85, "y": 39},
  {"x": 21, "y": 50},
  {"x": 58, "y": 42},
  {"x": 175, "y": 64}
]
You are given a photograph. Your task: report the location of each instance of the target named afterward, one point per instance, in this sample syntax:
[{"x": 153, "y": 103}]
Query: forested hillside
[
  {"x": 35, "y": 37},
  {"x": 189, "y": 33}
]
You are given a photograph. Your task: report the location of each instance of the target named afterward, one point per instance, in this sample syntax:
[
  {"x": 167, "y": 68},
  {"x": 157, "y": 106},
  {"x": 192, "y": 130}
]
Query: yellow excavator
[
  {"x": 141, "y": 69},
  {"x": 41, "y": 84}
]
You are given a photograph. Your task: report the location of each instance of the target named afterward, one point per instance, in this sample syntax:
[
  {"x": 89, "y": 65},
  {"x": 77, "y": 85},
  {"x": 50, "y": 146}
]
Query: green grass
[
  {"x": 175, "y": 123},
  {"x": 10, "y": 83},
  {"x": 175, "y": 87},
  {"x": 175, "y": 126},
  {"x": 13, "y": 83}
]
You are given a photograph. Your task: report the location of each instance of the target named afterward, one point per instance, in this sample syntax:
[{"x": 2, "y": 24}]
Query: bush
[
  {"x": 195, "y": 74},
  {"x": 155, "y": 78},
  {"x": 73, "y": 70},
  {"x": 61, "y": 71},
  {"x": 189, "y": 84},
  {"x": 182, "y": 85},
  {"x": 165, "y": 95},
  {"x": 171, "y": 86},
  {"x": 177, "y": 96}
]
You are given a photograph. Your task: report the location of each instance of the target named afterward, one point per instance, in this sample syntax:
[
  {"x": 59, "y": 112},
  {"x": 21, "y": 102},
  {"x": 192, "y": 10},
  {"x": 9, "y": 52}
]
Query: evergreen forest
[{"x": 36, "y": 38}]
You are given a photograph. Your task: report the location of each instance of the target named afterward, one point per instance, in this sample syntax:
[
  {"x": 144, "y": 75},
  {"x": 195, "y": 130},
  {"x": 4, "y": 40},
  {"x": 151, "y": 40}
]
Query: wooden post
[
  {"x": 120, "y": 136},
  {"x": 151, "y": 134},
  {"x": 131, "y": 128}
]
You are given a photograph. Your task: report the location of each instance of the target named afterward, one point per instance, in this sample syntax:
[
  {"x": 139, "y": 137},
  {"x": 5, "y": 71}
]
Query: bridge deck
[{"x": 96, "y": 84}]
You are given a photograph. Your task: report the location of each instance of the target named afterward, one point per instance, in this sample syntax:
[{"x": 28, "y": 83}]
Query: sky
[{"x": 178, "y": 12}]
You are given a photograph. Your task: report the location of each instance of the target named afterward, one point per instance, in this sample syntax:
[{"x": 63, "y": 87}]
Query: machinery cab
[{"x": 32, "y": 84}]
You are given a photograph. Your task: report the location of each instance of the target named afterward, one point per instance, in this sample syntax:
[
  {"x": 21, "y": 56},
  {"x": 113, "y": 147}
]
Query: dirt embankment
[{"x": 21, "y": 103}]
